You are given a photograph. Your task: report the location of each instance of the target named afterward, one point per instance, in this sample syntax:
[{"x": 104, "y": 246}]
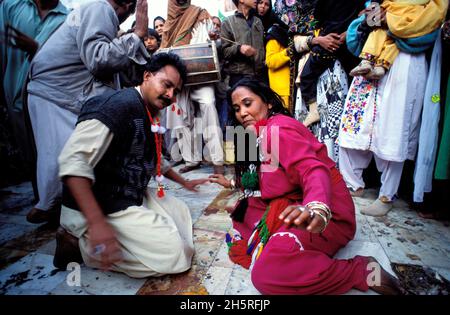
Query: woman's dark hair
[
  {"x": 268, "y": 96},
  {"x": 158, "y": 18},
  {"x": 261, "y": 89},
  {"x": 160, "y": 60},
  {"x": 270, "y": 18},
  {"x": 279, "y": 34}
]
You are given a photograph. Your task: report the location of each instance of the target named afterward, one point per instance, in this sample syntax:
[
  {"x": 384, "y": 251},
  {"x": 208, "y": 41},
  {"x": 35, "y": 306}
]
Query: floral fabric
[{"x": 299, "y": 15}]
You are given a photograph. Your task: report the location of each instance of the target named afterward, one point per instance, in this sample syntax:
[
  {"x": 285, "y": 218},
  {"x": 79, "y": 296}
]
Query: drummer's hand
[
  {"x": 141, "y": 28},
  {"x": 248, "y": 50},
  {"x": 213, "y": 35},
  {"x": 19, "y": 40}
]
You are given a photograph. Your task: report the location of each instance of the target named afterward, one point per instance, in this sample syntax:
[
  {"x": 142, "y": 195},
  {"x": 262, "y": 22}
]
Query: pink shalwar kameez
[{"x": 295, "y": 261}]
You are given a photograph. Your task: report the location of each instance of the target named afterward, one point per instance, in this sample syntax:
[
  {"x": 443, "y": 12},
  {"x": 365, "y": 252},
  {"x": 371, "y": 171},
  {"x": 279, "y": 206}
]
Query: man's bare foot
[
  {"x": 67, "y": 249},
  {"x": 389, "y": 285},
  {"x": 38, "y": 216}
]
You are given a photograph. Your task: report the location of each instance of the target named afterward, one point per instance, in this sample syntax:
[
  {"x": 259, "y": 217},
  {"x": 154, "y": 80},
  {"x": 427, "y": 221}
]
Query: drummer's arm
[
  {"x": 230, "y": 49},
  {"x": 100, "y": 50}
]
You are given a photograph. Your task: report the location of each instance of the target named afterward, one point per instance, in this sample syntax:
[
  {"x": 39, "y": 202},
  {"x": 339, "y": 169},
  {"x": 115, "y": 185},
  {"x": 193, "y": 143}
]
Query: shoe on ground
[
  {"x": 38, "y": 216},
  {"x": 376, "y": 73},
  {"x": 363, "y": 68},
  {"x": 378, "y": 208},
  {"x": 67, "y": 249}
]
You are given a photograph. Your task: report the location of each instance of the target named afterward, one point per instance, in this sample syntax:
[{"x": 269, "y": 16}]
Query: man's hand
[
  {"x": 188, "y": 184},
  {"x": 248, "y": 50},
  {"x": 141, "y": 28},
  {"x": 16, "y": 38},
  {"x": 220, "y": 179},
  {"x": 192, "y": 184},
  {"x": 213, "y": 35},
  {"x": 330, "y": 42},
  {"x": 104, "y": 243},
  {"x": 102, "y": 238},
  {"x": 342, "y": 38}
]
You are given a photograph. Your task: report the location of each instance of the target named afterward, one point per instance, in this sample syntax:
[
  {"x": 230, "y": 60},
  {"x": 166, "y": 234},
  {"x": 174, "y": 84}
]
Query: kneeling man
[{"x": 110, "y": 219}]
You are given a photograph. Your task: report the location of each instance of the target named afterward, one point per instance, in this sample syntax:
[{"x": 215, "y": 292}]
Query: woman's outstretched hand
[
  {"x": 220, "y": 179},
  {"x": 297, "y": 216}
]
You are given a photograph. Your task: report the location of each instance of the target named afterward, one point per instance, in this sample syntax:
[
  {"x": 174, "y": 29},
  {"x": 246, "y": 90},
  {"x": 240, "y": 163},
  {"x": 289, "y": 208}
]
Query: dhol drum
[{"x": 201, "y": 61}]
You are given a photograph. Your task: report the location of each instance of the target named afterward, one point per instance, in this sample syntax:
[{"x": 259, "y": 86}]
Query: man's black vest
[{"x": 122, "y": 174}]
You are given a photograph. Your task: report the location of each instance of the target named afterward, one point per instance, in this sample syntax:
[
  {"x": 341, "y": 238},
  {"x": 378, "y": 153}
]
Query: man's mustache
[{"x": 167, "y": 101}]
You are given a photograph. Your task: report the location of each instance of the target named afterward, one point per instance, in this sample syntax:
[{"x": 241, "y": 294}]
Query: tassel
[
  {"x": 250, "y": 248},
  {"x": 229, "y": 241},
  {"x": 260, "y": 249},
  {"x": 160, "y": 192},
  {"x": 162, "y": 130},
  {"x": 238, "y": 254},
  {"x": 228, "y": 238},
  {"x": 154, "y": 128}
]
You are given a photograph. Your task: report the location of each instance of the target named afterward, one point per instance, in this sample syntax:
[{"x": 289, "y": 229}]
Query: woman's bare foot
[{"x": 388, "y": 284}]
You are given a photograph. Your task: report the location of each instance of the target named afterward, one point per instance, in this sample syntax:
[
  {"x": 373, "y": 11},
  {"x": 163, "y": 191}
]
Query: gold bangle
[{"x": 321, "y": 206}]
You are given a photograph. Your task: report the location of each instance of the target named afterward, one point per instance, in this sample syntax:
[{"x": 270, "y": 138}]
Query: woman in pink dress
[{"x": 298, "y": 211}]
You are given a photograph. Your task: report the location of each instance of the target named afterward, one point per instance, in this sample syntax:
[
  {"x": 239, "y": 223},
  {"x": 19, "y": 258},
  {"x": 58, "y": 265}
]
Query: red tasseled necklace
[{"x": 158, "y": 131}]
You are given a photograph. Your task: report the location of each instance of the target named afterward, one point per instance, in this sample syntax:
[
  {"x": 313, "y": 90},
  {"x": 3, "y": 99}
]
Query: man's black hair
[
  {"x": 160, "y": 60},
  {"x": 152, "y": 32},
  {"x": 236, "y": 3},
  {"x": 133, "y": 2}
]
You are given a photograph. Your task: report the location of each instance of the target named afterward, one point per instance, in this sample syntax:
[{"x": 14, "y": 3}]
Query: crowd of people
[{"x": 320, "y": 87}]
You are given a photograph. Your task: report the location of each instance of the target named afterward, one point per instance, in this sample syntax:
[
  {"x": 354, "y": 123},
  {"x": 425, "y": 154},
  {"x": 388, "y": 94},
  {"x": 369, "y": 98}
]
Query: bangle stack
[{"x": 320, "y": 209}]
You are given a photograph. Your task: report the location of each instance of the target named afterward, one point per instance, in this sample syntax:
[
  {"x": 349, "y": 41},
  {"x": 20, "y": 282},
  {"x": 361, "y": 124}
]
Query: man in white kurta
[
  {"x": 108, "y": 211},
  {"x": 181, "y": 118}
]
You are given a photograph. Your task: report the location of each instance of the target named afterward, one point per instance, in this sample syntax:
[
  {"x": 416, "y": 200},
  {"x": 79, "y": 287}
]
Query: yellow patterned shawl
[{"x": 409, "y": 21}]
